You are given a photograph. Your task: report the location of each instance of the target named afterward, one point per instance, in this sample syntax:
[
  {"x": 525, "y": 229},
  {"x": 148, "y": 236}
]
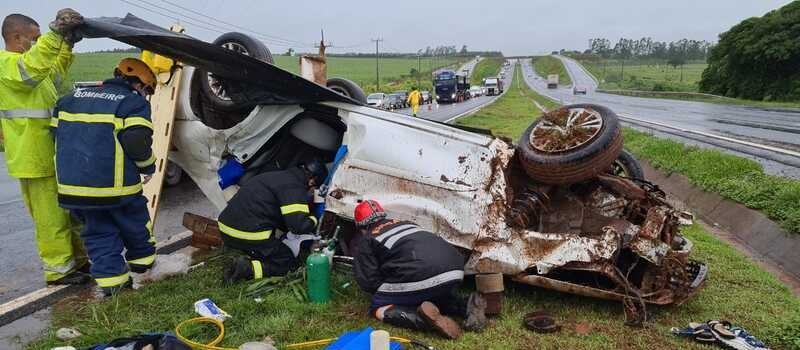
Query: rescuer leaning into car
[
  {"x": 269, "y": 220},
  {"x": 412, "y": 275}
]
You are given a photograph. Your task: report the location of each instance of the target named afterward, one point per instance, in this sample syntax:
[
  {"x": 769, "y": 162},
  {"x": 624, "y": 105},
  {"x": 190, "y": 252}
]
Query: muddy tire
[
  {"x": 173, "y": 174},
  {"x": 571, "y": 144},
  {"x": 626, "y": 165},
  {"x": 216, "y": 90},
  {"x": 347, "y": 88}
]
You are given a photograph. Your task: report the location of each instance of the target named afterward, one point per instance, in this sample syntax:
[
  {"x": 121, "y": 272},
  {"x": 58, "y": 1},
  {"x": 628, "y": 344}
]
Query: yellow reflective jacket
[
  {"x": 28, "y": 94},
  {"x": 415, "y": 97}
]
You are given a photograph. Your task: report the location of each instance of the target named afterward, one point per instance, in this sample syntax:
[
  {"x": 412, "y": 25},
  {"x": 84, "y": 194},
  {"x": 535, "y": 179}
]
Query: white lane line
[{"x": 625, "y": 116}]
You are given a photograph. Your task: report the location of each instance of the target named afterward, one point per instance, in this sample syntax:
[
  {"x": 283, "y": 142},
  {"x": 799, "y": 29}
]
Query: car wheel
[
  {"x": 218, "y": 91},
  {"x": 347, "y": 88},
  {"x": 626, "y": 165},
  {"x": 570, "y": 144},
  {"x": 173, "y": 174}
]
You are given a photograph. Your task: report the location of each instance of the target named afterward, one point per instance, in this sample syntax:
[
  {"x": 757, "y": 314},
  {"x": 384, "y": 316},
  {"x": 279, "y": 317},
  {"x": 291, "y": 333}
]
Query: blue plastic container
[
  {"x": 358, "y": 340},
  {"x": 230, "y": 172}
]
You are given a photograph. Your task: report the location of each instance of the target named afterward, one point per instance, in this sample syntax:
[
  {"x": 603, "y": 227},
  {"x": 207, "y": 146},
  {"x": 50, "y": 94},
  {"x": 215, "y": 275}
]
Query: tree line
[
  {"x": 758, "y": 58},
  {"x": 674, "y": 52}
]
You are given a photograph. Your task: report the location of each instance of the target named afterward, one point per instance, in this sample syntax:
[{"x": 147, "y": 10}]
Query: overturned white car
[{"x": 546, "y": 212}]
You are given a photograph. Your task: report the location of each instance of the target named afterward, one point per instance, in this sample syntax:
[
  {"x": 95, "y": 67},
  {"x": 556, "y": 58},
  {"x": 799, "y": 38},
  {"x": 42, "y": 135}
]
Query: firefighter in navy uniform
[
  {"x": 269, "y": 220},
  {"x": 103, "y": 147},
  {"x": 412, "y": 275}
]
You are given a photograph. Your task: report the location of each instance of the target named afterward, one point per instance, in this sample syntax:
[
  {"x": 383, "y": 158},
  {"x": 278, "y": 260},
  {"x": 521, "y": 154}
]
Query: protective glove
[{"x": 66, "y": 22}]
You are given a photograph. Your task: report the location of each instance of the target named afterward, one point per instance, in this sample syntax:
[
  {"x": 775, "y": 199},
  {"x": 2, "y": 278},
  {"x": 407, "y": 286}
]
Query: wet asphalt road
[
  {"x": 20, "y": 267},
  {"x": 445, "y": 112},
  {"x": 779, "y": 128}
]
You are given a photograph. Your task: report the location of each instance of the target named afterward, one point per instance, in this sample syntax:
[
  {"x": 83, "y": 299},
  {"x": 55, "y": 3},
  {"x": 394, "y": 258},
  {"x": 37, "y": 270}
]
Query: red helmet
[{"x": 368, "y": 212}]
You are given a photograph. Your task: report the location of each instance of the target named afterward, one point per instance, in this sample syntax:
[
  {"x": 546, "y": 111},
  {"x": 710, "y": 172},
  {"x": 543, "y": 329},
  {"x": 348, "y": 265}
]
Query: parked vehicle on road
[
  {"x": 395, "y": 101},
  {"x": 552, "y": 81},
  {"x": 404, "y": 95},
  {"x": 475, "y": 91},
  {"x": 579, "y": 89},
  {"x": 426, "y": 97},
  {"x": 543, "y": 212},
  {"x": 450, "y": 87},
  {"x": 377, "y": 99}
]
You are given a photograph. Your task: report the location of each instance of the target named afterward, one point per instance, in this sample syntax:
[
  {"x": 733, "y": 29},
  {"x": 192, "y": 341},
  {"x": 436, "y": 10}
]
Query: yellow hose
[{"x": 213, "y": 344}]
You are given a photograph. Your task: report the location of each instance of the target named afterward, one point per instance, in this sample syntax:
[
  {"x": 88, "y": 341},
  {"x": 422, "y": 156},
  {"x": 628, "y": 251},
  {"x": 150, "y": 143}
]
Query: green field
[
  {"x": 394, "y": 71},
  {"x": 546, "y": 65},
  {"x": 487, "y": 67},
  {"x": 737, "y": 290},
  {"x": 645, "y": 75}
]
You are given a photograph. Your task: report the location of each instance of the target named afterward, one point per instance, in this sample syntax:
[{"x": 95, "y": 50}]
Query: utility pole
[
  {"x": 377, "y": 65},
  {"x": 419, "y": 68},
  {"x": 622, "y": 73},
  {"x": 322, "y": 45}
]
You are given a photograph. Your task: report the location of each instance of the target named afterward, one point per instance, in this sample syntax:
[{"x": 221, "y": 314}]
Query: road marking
[
  {"x": 44, "y": 297},
  {"x": 625, "y": 116}
]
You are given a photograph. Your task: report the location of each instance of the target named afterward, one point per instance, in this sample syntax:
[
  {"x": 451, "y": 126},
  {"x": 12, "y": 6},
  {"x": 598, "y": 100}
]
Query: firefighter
[
  {"x": 414, "y": 98},
  {"x": 412, "y": 275},
  {"x": 269, "y": 220},
  {"x": 31, "y": 68},
  {"x": 103, "y": 146}
]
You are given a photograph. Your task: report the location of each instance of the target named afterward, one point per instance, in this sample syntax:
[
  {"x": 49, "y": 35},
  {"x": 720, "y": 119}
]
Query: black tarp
[{"x": 279, "y": 86}]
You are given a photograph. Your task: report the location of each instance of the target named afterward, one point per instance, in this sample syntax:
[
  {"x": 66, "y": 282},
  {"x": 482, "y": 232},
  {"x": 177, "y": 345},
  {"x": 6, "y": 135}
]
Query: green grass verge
[
  {"x": 656, "y": 79},
  {"x": 513, "y": 112},
  {"x": 546, "y": 65},
  {"x": 737, "y": 290},
  {"x": 487, "y": 67},
  {"x": 739, "y": 179}
]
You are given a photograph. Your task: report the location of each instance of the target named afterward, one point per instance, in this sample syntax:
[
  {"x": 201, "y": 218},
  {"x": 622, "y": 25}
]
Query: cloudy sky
[{"x": 518, "y": 27}]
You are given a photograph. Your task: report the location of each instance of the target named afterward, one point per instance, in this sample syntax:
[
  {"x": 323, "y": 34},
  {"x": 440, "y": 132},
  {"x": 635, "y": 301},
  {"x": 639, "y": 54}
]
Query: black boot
[
  {"x": 446, "y": 326},
  {"x": 75, "y": 277},
  {"x": 405, "y": 317},
  {"x": 240, "y": 269},
  {"x": 472, "y": 310}
]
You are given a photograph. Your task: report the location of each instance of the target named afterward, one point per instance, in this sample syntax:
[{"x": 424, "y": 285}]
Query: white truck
[
  {"x": 552, "y": 81},
  {"x": 494, "y": 86}
]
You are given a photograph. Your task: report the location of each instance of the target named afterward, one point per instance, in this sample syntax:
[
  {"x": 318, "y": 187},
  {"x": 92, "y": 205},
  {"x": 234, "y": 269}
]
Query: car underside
[{"x": 547, "y": 211}]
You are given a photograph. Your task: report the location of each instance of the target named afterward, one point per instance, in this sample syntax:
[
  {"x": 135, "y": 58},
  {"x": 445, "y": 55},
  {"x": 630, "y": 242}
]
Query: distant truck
[
  {"x": 552, "y": 81},
  {"x": 450, "y": 87},
  {"x": 494, "y": 86}
]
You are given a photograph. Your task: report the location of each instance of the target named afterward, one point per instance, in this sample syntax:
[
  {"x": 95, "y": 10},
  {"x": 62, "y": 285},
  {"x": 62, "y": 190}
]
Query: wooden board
[{"x": 163, "y": 104}]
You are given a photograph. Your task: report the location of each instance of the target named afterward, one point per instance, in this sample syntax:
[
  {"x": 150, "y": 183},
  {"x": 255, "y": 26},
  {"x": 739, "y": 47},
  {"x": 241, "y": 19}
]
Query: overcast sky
[{"x": 518, "y": 27}]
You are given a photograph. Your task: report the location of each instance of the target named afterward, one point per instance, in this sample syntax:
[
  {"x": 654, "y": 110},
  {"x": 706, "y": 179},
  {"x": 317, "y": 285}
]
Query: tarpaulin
[{"x": 278, "y": 85}]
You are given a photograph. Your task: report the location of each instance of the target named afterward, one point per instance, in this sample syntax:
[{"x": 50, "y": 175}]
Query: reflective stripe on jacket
[
  {"x": 269, "y": 201},
  {"x": 103, "y": 144},
  {"x": 401, "y": 257},
  {"x": 28, "y": 91}
]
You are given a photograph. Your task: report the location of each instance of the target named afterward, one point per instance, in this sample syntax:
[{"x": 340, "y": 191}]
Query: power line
[
  {"x": 274, "y": 37},
  {"x": 197, "y": 22}
]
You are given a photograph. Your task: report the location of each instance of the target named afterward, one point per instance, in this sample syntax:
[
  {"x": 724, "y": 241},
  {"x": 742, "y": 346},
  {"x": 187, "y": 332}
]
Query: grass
[
  {"x": 487, "y": 67},
  {"x": 739, "y": 179},
  {"x": 656, "y": 79},
  {"x": 546, "y": 65},
  {"x": 736, "y": 290},
  {"x": 645, "y": 75}
]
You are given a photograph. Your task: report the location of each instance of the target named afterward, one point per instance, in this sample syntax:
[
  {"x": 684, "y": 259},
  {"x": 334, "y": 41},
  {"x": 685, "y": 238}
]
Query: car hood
[{"x": 280, "y": 86}]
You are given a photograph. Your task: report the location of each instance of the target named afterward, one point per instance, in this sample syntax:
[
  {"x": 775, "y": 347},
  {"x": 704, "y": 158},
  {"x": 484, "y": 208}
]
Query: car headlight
[{"x": 453, "y": 96}]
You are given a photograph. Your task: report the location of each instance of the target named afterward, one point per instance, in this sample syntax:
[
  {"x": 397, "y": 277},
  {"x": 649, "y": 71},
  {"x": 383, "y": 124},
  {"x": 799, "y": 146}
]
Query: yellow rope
[{"x": 217, "y": 323}]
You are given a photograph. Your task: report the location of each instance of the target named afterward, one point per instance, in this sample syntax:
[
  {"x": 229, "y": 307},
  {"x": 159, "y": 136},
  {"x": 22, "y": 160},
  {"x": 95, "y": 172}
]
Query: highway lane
[
  {"x": 445, "y": 112},
  {"x": 772, "y": 128}
]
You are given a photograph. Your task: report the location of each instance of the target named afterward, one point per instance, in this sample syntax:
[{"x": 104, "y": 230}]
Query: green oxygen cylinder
[{"x": 318, "y": 277}]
